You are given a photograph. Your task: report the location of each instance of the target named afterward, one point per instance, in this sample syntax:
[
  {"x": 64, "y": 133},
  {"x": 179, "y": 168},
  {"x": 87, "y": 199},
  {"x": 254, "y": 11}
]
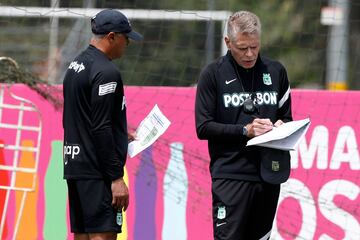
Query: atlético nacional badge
[
  {"x": 221, "y": 212},
  {"x": 267, "y": 79},
  {"x": 119, "y": 218},
  {"x": 275, "y": 166}
]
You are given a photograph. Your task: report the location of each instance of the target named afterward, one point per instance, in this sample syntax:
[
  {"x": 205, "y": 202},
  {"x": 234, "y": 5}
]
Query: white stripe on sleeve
[{"x": 284, "y": 98}]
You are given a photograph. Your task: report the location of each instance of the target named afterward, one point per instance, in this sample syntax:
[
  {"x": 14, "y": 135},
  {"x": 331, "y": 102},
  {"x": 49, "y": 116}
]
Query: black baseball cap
[{"x": 110, "y": 20}]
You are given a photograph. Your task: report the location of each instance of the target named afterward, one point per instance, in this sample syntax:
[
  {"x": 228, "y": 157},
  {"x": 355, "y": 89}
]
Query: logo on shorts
[
  {"x": 221, "y": 212},
  {"x": 275, "y": 166},
  {"x": 220, "y": 224},
  {"x": 119, "y": 218}
]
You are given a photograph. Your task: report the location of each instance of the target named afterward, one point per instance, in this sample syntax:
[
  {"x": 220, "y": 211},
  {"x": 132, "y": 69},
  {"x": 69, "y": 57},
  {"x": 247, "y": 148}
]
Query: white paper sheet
[
  {"x": 148, "y": 131},
  {"x": 284, "y": 137}
]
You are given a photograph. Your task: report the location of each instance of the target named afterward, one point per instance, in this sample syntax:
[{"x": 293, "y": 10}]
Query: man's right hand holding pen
[{"x": 260, "y": 126}]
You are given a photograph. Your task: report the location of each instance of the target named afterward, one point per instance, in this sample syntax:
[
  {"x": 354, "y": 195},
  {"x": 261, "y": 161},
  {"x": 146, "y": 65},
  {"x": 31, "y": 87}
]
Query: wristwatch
[{"x": 244, "y": 131}]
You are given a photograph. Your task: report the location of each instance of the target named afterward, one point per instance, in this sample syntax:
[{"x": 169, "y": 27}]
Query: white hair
[
  {"x": 243, "y": 22},
  {"x": 98, "y": 37}
]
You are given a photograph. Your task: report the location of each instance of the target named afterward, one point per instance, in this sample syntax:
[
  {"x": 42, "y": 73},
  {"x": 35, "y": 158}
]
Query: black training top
[
  {"x": 94, "y": 118},
  {"x": 220, "y": 118}
]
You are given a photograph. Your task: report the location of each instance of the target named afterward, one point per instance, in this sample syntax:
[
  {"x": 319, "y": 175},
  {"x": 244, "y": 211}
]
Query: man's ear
[
  {"x": 111, "y": 36},
  {"x": 227, "y": 41}
]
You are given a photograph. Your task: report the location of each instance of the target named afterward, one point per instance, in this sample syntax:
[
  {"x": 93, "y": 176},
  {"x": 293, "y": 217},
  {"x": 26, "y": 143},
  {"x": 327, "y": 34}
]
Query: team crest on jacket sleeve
[{"x": 267, "y": 79}]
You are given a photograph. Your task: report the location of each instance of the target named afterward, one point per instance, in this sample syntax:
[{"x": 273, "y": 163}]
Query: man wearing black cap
[
  {"x": 95, "y": 130},
  {"x": 239, "y": 96}
]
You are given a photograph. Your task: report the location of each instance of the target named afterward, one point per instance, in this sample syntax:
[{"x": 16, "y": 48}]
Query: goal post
[{"x": 134, "y": 14}]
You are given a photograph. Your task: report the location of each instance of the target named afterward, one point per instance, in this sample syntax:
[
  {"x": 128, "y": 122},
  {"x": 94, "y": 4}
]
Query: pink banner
[{"x": 169, "y": 182}]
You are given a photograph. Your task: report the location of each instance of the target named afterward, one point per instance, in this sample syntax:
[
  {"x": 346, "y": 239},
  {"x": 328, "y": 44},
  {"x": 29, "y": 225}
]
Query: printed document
[
  {"x": 284, "y": 137},
  {"x": 149, "y": 130}
]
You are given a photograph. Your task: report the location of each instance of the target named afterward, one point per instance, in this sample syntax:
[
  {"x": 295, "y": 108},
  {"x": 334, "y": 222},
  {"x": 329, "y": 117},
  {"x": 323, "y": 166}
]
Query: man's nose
[{"x": 249, "y": 52}]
